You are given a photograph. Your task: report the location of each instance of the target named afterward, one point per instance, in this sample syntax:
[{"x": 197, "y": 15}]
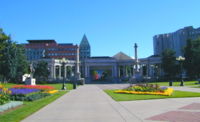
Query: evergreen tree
[
  {"x": 41, "y": 71},
  {"x": 13, "y": 63},
  {"x": 169, "y": 65},
  {"x": 192, "y": 58}
]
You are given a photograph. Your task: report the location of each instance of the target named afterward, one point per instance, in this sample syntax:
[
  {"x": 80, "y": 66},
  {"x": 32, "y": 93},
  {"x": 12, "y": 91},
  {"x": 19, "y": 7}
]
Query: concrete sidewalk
[
  {"x": 186, "y": 88},
  {"x": 88, "y": 103}
]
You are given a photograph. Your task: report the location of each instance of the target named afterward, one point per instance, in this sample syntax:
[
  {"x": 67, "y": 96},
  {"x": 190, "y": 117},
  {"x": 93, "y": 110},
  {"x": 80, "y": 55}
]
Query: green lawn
[
  {"x": 28, "y": 108},
  {"x": 58, "y": 86},
  {"x": 131, "y": 97},
  {"x": 176, "y": 83}
]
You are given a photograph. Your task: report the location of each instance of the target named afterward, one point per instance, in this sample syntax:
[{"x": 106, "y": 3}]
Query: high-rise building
[
  {"x": 175, "y": 40},
  {"x": 37, "y": 49},
  {"x": 84, "y": 48}
]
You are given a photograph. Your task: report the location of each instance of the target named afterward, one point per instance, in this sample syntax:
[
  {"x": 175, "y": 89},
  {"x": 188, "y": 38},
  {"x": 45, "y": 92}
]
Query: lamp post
[
  {"x": 181, "y": 59},
  {"x": 63, "y": 62}
]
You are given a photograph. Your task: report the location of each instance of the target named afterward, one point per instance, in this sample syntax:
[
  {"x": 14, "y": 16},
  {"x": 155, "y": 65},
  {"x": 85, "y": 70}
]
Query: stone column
[
  {"x": 136, "y": 57},
  {"x": 115, "y": 71},
  {"x": 119, "y": 72},
  {"x": 60, "y": 71},
  {"x": 77, "y": 68},
  {"x": 54, "y": 71},
  {"x": 124, "y": 71},
  {"x": 86, "y": 75},
  {"x": 65, "y": 71}
]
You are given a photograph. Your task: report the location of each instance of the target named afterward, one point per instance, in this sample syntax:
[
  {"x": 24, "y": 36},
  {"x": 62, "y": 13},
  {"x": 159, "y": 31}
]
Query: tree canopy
[
  {"x": 169, "y": 65},
  {"x": 13, "y": 63},
  {"x": 192, "y": 58},
  {"x": 41, "y": 71}
]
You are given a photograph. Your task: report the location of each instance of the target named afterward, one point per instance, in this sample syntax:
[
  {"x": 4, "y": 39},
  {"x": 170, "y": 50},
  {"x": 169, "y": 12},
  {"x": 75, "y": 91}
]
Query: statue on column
[
  {"x": 32, "y": 70},
  {"x": 137, "y": 75}
]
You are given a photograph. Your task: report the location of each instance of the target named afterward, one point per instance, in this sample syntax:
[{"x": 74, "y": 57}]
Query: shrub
[
  {"x": 29, "y": 97},
  {"x": 4, "y": 95},
  {"x": 36, "y": 96}
]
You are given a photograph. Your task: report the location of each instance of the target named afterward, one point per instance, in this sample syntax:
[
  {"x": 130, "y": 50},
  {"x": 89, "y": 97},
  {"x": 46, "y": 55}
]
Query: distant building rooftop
[
  {"x": 42, "y": 41},
  {"x": 99, "y": 57}
]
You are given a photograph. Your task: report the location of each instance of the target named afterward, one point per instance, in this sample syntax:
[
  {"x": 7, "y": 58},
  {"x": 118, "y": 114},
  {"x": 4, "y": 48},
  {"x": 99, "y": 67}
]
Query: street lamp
[
  {"x": 181, "y": 59},
  {"x": 63, "y": 62}
]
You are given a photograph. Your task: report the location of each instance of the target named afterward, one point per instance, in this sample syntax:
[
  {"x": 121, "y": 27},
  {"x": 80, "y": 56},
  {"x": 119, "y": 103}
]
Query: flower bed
[
  {"x": 150, "y": 89},
  {"x": 4, "y": 95},
  {"x": 24, "y": 91},
  {"x": 40, "y": 87},
  {"x": 51, "y": 92},
  {"x": 30, "y": 92}
]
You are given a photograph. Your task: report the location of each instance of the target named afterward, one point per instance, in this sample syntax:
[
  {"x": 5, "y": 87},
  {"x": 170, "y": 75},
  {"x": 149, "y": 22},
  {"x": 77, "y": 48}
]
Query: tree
[
  {"x": 8, "y": 62},
  {"x": 169, "y": 65},
  {"x": 3, "y": 39},
  {"x": 192, "y": 58},
  {"x": 41, "y": 71},
  {"x": 13, "y": 63},
  {"x": 22, "y": 63}
]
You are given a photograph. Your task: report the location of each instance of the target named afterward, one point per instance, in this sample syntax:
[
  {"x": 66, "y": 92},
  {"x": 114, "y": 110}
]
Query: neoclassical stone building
[
  {"x": 117, "y": 68},
  {"x": 57, "y": 71},
  {"x": 114, "y": 68}
]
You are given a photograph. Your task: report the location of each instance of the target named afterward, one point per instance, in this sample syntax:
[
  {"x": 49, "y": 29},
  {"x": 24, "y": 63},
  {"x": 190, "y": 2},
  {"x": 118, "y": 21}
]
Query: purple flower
[
  {"x": 164, "y": 87},
  {"x": 22, "y": 91}
]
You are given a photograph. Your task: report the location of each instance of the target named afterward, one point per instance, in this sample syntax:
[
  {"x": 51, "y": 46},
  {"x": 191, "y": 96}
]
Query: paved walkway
[
  {"x": 186, "y": 88},
  {"x": 89, "y": 103}
]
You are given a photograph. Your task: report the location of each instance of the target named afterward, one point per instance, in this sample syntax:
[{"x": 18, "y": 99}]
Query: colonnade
[
  {"x": 58, "y": 72},
  {"x": 118, "y": 71}
]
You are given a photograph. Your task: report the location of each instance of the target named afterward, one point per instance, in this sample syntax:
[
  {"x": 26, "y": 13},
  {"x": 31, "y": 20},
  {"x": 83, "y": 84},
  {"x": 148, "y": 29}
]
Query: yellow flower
[
  {"x": 52, "y": 91},
  {"x": 167, "y": 92}
]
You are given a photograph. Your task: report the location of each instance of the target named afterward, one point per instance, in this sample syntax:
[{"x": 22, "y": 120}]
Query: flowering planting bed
[
  {"x": 4, "y": 95},
  {"x": 149, "y": 89},
  {"x": 30, "y": 92},
  {"x": 25, "y": 92},
  {"x": 40, "y": 87}
]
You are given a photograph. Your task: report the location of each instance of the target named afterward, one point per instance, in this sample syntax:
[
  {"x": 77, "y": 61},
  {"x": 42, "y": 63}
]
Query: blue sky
[{"x": 110, "y": 25}]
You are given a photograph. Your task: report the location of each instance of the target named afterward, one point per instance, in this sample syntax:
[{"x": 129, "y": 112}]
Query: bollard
[
  {"x": 182, "y": 83},
  {"x": 170, "y": 83},
  {"x": 74, "y": 85}
]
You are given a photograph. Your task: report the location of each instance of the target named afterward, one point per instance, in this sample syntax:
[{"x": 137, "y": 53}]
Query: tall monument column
[
  {"x": 78, "y": 75},
  {"x": 136, "y": 57},
  {"x": 138, "y": 76}
]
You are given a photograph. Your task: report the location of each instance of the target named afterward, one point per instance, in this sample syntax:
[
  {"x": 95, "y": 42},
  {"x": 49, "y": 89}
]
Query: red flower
[{"x": 40, "y": 87}]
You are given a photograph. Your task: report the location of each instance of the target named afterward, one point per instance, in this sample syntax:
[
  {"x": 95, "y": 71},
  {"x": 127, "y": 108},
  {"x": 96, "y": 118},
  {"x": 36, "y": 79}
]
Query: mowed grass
[
  {"x": 28, "y": 108},
  {"x": 131, "y": 97},
  {"x": 176, "y": 83}
]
